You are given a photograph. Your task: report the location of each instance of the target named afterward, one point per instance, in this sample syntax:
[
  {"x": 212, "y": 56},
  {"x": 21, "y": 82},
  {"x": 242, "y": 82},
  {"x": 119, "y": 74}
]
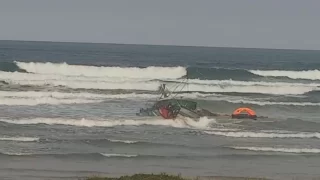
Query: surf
[
  {"x": 102, "y": 71},
  {"x": 112, "y": 122}
]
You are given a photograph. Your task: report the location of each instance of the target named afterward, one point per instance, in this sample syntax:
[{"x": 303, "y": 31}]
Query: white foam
[
  {"x": 177, "y": 123},
  {"x": 90, "y": 77},
  {"x": 202, "y": 123},
  {"x": 53, "y": 94},
  {"x": 45, "y": 97},
  {"x": 248, "y": 83},
  {"x": 22, "y": 139},
  {"x": 118, "y": 155},
  {"x": 39, "y": 97},
  {"x": 62, "y": 95},
  {"x": 263, "y": 103},
  {"x": 47, "y": 100},
  {"x": 18, "y": 76},
  {"x": 248, "y": 134},
  {"x": 275, "y": 149},
  {"x": 223, "y": 129},
  {"x": 94, "y": 71},
  {"x": 55, "y": 78},
  {"x": 122, "y": 141},
  {"x": 16, "y": 153},
  {"x": 310, "y": 74},
  {"x": 244, "y": 100},
  {"x": 130, "y": 83},
  {"x": 153, "y": 86}
]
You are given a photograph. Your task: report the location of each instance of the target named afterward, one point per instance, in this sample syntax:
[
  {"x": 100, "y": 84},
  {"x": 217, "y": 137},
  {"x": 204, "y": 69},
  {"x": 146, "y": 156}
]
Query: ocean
[{"x": 68, "y": 110}]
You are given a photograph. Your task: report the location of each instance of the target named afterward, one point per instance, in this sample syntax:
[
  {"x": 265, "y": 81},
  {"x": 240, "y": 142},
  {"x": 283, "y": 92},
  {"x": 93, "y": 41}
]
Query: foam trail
[
  {"x": 265, "y": 135},
  {"x": 178, "y": 123},
  {"x": 31, "y": 98},
  {"x": 18, "y": 76},
  {"x": 203, "y": 122},
  {"x": 129, "y": 83},
  {"x": 16, "y": 154},
  {"x": 248, "y": 83},
  {"x": 42, "y": 94},
  {"x": 122, "y": 141},
  {"x": 51, "y": 98},
  {"x": 93, "y": 71},
  {"x": 47, "y": 100},
  {"x": 45, "y": 97},
  {"x": 310, "y": 74},
  {"x": 153, "y": 86},
  {"x": 274, "y": 149},
  {"x": 22, "y": 139},
  {"x": 263, "y": 103},
  {"x": 61, "y": 95},
  {"x": 118, "y": 155},
  {"x": 258, "y": 101}
]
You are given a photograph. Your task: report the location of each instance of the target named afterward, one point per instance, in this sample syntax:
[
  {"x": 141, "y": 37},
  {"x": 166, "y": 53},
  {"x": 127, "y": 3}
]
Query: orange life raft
[{"x": 244, "y": 113}]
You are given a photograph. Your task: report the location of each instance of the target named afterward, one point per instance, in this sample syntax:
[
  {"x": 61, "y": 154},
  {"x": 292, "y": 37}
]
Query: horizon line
[{"x": 141, "y": 44}]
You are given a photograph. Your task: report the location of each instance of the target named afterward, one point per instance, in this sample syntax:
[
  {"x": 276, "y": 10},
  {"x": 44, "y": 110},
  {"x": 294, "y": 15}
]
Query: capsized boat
[{"x": 170, "y": 108}]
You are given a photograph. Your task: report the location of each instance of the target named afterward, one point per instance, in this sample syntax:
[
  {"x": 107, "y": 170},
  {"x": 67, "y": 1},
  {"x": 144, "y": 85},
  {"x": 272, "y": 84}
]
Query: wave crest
[
  {"x": 275, "y": 149},
  {"x": 310, "y": 74},
  {"x": 94, "y": 71},
  {"x": 22, "y": 139},
  {"x": 265, "y": 135},
  {"x": 177, "y": 123}
]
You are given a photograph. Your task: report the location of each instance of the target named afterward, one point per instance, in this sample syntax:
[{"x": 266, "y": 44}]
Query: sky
[{"x": 276, "y": 24}]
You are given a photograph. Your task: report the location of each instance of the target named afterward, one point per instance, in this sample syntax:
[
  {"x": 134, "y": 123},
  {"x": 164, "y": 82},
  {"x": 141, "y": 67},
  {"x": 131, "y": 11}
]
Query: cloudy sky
[{"x": 227, "y": 23}]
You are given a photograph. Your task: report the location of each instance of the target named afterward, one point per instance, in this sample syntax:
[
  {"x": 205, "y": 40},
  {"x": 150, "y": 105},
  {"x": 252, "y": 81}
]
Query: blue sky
[{"x": 285, "y": 24}]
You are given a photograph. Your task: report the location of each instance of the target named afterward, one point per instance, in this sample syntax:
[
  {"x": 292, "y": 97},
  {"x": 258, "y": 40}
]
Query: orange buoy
[{"x": 244, "y": 113}]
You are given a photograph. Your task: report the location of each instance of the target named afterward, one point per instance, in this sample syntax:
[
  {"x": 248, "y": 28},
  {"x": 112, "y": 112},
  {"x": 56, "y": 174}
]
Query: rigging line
[
  {"x": 181, "y": 88},
  {"x": 177, "y": 94},
  {"x": 176, "y": 87}
]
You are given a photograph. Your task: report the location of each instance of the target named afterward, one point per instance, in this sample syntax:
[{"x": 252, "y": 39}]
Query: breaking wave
[
  {"x": 153, "y": 86},
  {"x": 310, "y": 74},
  {"x": 275, "y": 149},
  {"x": 35, "y": 98},
  {"x": 94, "y": 71},
  {"x": 134, "y": 78},
  {"x": 265, "y": 135},
  {"x": 64, "y": 69},
  {"x": 45, "y": 97}
]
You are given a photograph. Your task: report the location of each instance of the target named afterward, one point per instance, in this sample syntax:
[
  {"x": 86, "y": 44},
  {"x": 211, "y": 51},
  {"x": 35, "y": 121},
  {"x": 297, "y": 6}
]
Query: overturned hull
[
  {"x": 184, "y": 108},
  {"x": 148, "y": 112}
]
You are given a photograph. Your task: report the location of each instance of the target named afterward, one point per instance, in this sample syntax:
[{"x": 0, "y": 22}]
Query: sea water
[{"x": 68, "y": 110}]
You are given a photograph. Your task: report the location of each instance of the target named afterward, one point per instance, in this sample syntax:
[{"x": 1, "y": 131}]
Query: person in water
[{"x": 164, "y": 92}]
